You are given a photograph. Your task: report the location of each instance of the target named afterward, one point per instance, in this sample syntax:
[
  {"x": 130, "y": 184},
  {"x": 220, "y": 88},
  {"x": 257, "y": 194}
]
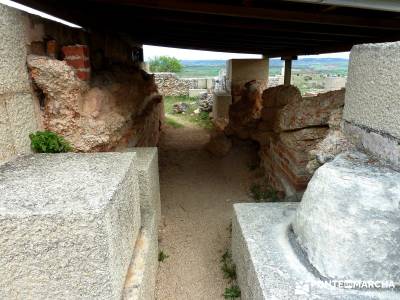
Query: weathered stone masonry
[
  {"x": 19, "y": 110},
  {"x": 288, "y": 127},
  {"x": 82, "y": 86}
]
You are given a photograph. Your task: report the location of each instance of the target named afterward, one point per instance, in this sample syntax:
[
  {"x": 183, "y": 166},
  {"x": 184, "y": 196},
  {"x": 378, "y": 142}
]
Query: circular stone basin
[{"x": 348, "y": 222}]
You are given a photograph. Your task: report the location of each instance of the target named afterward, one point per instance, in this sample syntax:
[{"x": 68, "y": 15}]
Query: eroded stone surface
[
  {"x": 68, "y": 223},
  {"x": 373, "y": 94},
  {"x": 348, "y": 220},
  {"x": 121, "y": 104},
  {"x": 312, "y": 111},
  {"x": 270, "y": 268}
]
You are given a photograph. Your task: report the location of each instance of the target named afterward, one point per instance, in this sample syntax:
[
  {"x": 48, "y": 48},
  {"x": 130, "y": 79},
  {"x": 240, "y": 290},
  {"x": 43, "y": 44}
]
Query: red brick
[
  {"x": 80, "y": 63},
  {"x": 83, "y": 75},
  {"x": 52, "y": 48},
  {"x": 76, "y": 50}
]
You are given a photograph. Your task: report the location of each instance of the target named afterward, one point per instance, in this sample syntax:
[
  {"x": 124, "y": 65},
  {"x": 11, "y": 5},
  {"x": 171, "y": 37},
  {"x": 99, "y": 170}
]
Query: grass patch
[
  {"x": 232, "y": 292},
  {"x": 201, "y": 119},
  {"x": 229, "y": 270},
  {"x": 263, "y": 193},
  {"x": 228, "y": 267},
  {"x": 162, "y": 256},
  {"x": 171, "y": 122}
]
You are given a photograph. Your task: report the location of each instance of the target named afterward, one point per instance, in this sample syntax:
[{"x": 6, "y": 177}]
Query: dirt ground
[{"x": 197, "y": 193}]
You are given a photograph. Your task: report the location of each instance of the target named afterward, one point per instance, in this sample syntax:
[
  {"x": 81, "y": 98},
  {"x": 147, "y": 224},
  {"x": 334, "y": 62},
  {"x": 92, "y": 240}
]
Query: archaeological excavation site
[{"x": 200, "y": 150}]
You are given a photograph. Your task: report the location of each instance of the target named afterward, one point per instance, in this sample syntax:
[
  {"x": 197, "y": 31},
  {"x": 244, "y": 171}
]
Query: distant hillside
[{"x": 211, "y": 68}]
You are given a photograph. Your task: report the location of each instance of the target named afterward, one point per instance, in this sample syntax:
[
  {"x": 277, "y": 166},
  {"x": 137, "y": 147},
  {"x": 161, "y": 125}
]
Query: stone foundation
[{"x": 69, "y": 225}]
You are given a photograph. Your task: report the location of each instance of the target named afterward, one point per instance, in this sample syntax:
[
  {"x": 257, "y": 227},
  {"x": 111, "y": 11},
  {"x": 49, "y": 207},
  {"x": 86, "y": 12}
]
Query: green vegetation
[
  {"x": 229, "y": 270},
  {"x": 263, "y": 193},
  {"x": 171, "y": 122},
  {"x": 165, "y": 64},
  {"x": 49, "y": 142},
  {"x": 201, "y": 119},
  {"x": 228, "y": 267},
  {"x": 232, "y": 292},
  {"x": 162, "y": 256}
]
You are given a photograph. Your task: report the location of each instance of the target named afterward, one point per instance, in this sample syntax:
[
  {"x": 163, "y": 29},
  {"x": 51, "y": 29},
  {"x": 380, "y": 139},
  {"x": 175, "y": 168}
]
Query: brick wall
[{"x": 77, "y": 56}]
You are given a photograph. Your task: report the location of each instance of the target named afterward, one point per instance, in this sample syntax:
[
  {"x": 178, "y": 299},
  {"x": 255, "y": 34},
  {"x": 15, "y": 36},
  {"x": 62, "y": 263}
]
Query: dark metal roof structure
[{"x": 269, "y": 27}]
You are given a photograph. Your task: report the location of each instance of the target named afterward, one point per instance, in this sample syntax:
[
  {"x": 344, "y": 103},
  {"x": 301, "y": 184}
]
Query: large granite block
[
  {"x": 351, "y": 206},
  {"x": 269, "y": 264},
  {"x": 141, "y": 277},
  {"x": 372, "y": 89},
  {"x": 69, "y": 223},
  {"x": 149, "y": 184}
]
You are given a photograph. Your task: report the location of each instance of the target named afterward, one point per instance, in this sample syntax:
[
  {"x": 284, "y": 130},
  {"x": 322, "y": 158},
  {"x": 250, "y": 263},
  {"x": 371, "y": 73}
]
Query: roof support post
[{"x": 288, "y": 69}]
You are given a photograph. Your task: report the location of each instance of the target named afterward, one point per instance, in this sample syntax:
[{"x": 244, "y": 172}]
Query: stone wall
[
  {"x": 84, "y": 86},
  {"x": 288, "y": 127},
  {"x": 169, "y": 84},
  {"x": 18, "y": 106},
  {"x": 118, "y": 106},
  {"x": 372, "y": 109},
  {"x": 293, "y": 126}
]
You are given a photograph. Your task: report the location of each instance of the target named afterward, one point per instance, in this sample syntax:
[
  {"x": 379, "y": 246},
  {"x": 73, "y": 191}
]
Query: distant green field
[
  {"x": 211, "y": 68},
  {"x": 200, "y": 71}
]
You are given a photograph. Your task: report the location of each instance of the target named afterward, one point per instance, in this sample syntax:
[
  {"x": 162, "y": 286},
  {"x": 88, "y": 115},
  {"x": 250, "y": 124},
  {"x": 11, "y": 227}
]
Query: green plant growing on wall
[
  {"x": 232, "y": 292},
  {"x": 227, "y": 266},
  {"x": 165, "y": 64},
  {"x": 263, "y": 193},
  {"x": 49, "y": 142},
  {"x": 162, "y": 256}
]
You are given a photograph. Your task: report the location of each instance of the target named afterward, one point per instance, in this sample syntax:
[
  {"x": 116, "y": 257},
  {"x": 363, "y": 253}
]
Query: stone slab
[
  {"x": 379, "y": 145},
  {"x": 196, "y": 92},
  {"x": 269, "y": 267},
  {"x": 141, "y": 276},
  {"x": 149, "y": 184},
  {"x": 69, "y": 224},
  {"x": 221, "y": 103}
]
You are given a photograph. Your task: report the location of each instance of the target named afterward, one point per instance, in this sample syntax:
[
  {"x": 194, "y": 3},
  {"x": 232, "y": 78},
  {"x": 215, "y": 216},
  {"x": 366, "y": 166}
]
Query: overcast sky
[{"x": 185, "y": 54}]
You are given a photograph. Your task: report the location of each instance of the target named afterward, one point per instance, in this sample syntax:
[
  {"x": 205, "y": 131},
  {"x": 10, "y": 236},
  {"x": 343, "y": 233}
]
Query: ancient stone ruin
[
  {"x": 342, "y": 240},
  {"x": 85, "y": 224},
  {"x": 74, "y": 225}
]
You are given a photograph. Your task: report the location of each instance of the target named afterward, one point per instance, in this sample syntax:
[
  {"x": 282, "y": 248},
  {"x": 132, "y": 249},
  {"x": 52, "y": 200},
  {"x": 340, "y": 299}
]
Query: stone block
[
  {"x": 210, "y": 83},
  {"x": 221, "y": 103},
  {"x": 23, "y": 120},
  {"x": 196, "y": 92},
  {"x": 280, "y": 96},
  {"x": 304, "y": 139},
  {"x": 141, "y": 276},
  {"x": 348, "y": 220},
  {"x": 7, "y": 147},
  {"x": 69, "y": 224},
  {"x": 270, "y": 266},
  {"x": 202, "y": 83},
  {"x": 247, "y": 69},
  {"x": 149, "y": 185},
  {"x": 312, "y": 111},
  {"x": 383, "y": 146},
  {"x": 13, "y": 51},
  {"x": 372, "y": 89}
]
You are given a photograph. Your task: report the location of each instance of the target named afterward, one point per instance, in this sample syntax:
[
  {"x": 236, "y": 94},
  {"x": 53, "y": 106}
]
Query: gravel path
[{"x": 197, "y": 193}]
